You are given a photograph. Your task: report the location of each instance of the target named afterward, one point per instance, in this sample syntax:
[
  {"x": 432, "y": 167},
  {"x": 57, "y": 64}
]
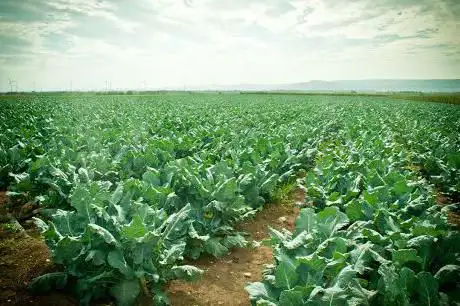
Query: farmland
[{"x": 129, "y": 191}]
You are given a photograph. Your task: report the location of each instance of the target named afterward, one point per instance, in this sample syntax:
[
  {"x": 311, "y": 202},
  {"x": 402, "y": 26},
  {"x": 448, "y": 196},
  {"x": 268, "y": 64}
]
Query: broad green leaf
[
  {"x": 47, "y": 282},
  {"x": 259, "y": 291},
  {"x": 135, "y": 229},
  {"x": 172, "y": 254},
  {"x": 97, "y": 257},
  {"x": 117, "y": 195},
  {"x": 117, "y": 261},
  {"x": 330, "y": 220},
  {"x": 152, "y": 177},
  {"x": 449, "y": 274},
  {"x": 306, "y": 221},
  {"x": 126, "y": 292},
  {"x": 408, "y": 285},
  {"x": 285, "y": 276},
  {"x": 234, "y": 241},
  {"x": 400, "y": 188},
  {"x": 104, "y": 234},
  {"x": 186, "y": 272},
  {"x": 214, "y": 247},
  {"x": 400, "y": 257},
  {"x": 291, "y": 298},
  {"x": 427, "y": 289},
  {"x": 300, "y": 240},
  {"x": 344, "y": 277}
]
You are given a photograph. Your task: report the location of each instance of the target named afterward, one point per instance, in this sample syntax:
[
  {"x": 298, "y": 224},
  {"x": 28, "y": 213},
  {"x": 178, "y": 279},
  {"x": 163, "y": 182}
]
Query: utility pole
[
  {"x": 13, "y": 85},
  {"x": 108, "y": 85}
]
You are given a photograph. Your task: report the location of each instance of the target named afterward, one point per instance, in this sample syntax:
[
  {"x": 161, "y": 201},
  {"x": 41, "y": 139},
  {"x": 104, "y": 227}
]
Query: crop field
[{"x": 129, "y": 192}]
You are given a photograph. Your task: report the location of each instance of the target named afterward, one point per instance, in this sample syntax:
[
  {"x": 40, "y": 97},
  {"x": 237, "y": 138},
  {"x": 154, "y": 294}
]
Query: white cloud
[{"x": 171, "y": 42}]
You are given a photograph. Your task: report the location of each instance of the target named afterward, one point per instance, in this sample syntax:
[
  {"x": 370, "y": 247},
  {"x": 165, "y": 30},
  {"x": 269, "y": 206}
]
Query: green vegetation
[
  {"x": 130, "y": 186},
  {"x": 374, "y": 234}
]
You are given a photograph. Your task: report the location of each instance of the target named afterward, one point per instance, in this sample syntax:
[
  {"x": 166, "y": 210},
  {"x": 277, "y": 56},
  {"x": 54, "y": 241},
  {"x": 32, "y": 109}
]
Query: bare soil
[
  {"x": 225, "y": 278},
  {"x": 452, "y": 217},
  {"x": 24, "y": 256}
]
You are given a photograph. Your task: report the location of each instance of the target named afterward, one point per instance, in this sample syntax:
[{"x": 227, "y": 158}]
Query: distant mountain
[{"x": 383, "y": 85}]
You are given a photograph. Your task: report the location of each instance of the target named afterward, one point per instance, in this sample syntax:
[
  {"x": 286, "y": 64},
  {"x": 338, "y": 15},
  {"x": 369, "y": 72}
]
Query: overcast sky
[{"x": 159, "y": 43}]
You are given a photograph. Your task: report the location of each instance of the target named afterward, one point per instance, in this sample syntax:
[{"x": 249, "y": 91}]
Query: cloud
[{"x": 172, "y": 42}]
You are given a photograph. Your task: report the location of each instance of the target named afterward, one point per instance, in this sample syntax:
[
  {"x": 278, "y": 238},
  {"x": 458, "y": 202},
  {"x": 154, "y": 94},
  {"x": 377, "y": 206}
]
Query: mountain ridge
[{"x": 368, "y": 85}]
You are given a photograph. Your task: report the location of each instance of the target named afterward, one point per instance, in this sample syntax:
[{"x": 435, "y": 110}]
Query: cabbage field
[{"x": 131, "y": 189}]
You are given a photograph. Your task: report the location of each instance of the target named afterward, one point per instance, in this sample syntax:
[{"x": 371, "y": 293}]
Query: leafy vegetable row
[
  {"x": 132, "y": 185},
  {"x": 373, "y": 236}
]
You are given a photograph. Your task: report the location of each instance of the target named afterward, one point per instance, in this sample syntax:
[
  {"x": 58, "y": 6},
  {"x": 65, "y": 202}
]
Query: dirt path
[
  {"x": 24, "y": 257},
  {"x": 225, "y": 278}
]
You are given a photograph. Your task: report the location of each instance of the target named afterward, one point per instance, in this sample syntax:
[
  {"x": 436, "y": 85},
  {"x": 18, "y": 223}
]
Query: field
[{"x": 135, "y": 195}]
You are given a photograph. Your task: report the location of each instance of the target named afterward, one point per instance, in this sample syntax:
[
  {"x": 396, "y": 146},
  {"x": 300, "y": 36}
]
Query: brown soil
[
  {"x": 225, "y": 278},
  {"x": 22, "y": 258},
  {"x": 452, "y": 217}
]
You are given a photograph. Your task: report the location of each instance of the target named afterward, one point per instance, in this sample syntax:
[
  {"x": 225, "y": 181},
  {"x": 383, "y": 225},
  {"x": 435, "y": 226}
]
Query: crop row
[
  {"x": 373, "y": 233},
  {"x": 130, "y": 186}
]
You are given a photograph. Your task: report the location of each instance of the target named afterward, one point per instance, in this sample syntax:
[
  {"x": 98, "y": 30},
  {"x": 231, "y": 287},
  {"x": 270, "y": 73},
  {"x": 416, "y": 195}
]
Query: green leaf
[
  {"x": 159, "y": 296},
  {"x": 354, "y": 211},
  {"x": 371, "y": 198},
  {"x": 83, "y": 175},
  {"x": 384, "y": 222},
  {"x": 344, "y": 277},
  {"x": 234, "y": 241},
  {"x": 126, "y": 292},
  {"x": 306, "y": 221},
  {"x": 425, "y": 246},
  {"x": 176, "y": 223},
  {"x": 390, "y": 282},
  {"x": 285, "y": 276},
  {"x": 194, "y": 234},
  {"x": 66, "y": 249},
  {"x": 186, "y": 272},
  {"x": 173, "y": 254},
  {"x": 214, "y": 247},
  {"x": 47, "y": 282},
  {"x": 330, "y": 220},
  {"x": 103, "y": 233},
  {"x": 260, "y": 291},
  {"x": 363, "y": 255},
  {"x": 117, "y": 195},
  {"x": 269, "y": 184},
  {"x": 408, "y": 284},
  {"x": 427, "y": 289},
  {"x": 449, "y": 274},
  {"x": 400, "y": 257},
  {"x": 400, "y": 188},
  {"x": 97, "y": 257},
  {"x": 291, "y": 298},
  {"x": 152, "y": 177},
  {"x": 117, "y": 261},
  {"x": 227, "y": 190},
  {"x": 358, "y": 295},
  {"x": 135, "y": 229},
  {"x": 300, "y": 240}
]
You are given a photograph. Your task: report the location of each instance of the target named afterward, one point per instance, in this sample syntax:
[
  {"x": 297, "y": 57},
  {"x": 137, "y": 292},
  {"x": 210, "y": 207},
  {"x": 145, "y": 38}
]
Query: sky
[{"x": 87, "y": 44}]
